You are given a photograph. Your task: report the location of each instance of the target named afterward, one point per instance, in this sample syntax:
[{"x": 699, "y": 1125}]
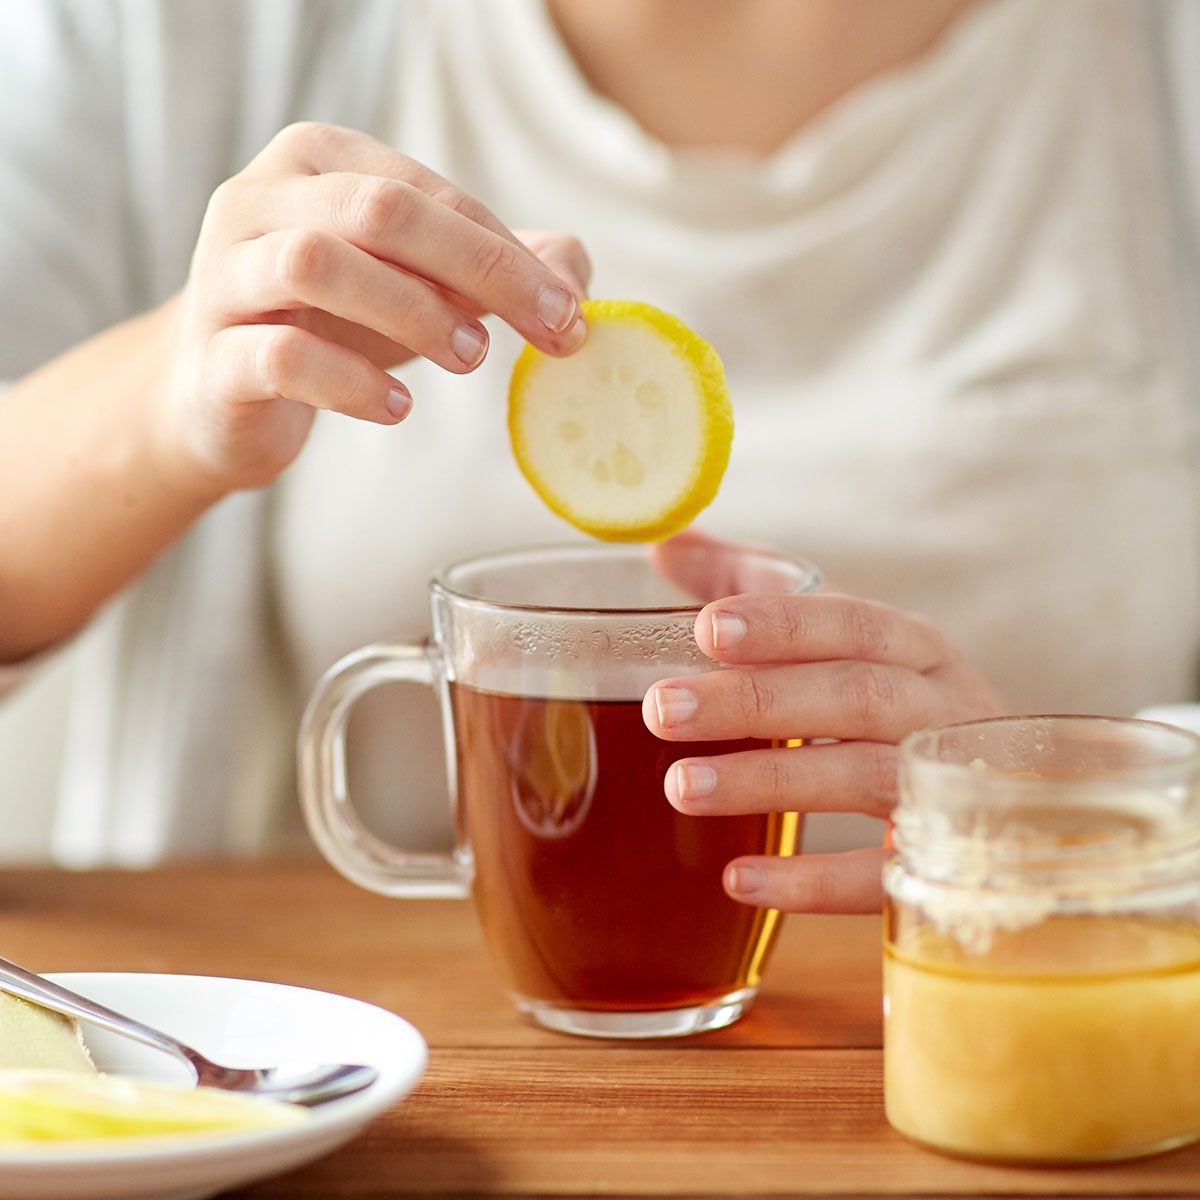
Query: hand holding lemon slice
[{"x": 627, "y": 438}]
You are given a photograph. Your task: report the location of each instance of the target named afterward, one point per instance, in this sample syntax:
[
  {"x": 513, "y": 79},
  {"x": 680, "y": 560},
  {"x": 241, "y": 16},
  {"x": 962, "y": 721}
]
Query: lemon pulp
[{"x": 51, "y": 1104}]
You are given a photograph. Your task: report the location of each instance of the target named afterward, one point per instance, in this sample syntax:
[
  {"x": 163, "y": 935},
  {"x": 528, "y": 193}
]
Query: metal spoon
[{"x": 303, "y": 1084}]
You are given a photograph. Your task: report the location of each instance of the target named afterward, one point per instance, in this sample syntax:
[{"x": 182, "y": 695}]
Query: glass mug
[
  {"x": 602, "y": 905},
  {"x": 1042, "y": 935}
]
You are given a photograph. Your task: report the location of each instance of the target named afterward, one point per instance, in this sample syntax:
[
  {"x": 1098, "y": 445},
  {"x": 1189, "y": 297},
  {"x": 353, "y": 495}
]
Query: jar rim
[
  {"x": 1059, "y": 802},
  {"x": 915, "y": 748}
]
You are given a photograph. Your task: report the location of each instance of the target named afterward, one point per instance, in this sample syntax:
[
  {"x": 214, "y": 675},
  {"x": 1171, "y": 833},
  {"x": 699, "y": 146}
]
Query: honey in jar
[{"x": 1042, "y": 948}]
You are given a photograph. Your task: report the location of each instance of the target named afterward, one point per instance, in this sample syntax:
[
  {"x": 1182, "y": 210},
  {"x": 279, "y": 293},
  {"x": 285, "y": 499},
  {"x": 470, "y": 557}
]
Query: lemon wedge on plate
[
  {"x": 39, "y": 1104},
  {"x": 627, "y": 438}
]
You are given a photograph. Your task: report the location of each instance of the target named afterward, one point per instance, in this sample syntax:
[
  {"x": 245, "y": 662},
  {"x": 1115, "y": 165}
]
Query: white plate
[{"x": 241, "y": 1023}]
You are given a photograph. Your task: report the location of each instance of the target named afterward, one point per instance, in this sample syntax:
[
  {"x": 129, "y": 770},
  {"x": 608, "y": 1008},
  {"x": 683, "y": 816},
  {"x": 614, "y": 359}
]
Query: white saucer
[{"x": 241, "y": 1023}]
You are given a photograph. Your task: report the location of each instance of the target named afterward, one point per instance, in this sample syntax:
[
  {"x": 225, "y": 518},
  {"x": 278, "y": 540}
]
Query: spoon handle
[{"x": 28, "y": 986}]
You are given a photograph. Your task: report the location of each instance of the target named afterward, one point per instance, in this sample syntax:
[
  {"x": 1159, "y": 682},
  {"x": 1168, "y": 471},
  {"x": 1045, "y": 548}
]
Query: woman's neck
[{"x": 741, "y": 74}]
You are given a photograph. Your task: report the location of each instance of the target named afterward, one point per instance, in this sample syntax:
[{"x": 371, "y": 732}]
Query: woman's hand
[
  {"x": 329, "y": 258},
  {"x": 815, "y": 666}
]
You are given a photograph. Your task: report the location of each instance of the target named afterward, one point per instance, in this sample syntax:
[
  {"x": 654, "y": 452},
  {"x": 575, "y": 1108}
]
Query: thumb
[{"x": 564, "y": 255}]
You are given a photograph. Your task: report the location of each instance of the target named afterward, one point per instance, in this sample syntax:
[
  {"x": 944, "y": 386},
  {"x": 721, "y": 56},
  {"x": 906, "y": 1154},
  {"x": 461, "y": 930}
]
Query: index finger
[
  {"x": 403, "y": 212},
  {"x": 817, "y": 627},
  {"x": 314, "y": 148}
]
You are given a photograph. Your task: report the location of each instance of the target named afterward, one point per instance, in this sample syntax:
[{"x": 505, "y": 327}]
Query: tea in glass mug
[{"x": 601, "y": 903}]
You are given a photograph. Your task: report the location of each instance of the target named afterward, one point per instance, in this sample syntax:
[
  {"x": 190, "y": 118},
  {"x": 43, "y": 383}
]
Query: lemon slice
[
  {"x": 41, "y": 1104},
  {"x": 628, "y": 437}
]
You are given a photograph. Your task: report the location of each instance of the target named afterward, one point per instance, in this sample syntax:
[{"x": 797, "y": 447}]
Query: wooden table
[{"x": 787, "y": 1102}]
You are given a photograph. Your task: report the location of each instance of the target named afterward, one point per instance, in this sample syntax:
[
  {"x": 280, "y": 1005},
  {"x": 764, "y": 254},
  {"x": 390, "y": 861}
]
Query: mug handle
[{"x": 325, "y": 796}]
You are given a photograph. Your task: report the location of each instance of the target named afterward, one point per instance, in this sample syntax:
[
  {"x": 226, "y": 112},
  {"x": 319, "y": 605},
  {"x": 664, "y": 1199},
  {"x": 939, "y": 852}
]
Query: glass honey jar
[{"x": 1042, "y": 940}]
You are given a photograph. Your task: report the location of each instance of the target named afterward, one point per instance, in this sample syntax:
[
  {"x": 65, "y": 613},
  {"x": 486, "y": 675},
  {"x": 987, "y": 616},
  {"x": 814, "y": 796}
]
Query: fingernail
[
  {"x": 574, "y": 337},
  {"x": 399, "y": 402},
  {"x": 744, "y": 881},
  {"x": 727, "y": 630},
  {"x": 556, "y": 308},
  {"x": 674, "y": 704},
  {"x": 469, "y": 344},
  {"x": 693, "y": 780}
]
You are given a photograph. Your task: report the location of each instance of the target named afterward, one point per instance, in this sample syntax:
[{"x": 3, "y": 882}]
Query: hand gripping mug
[{"x": 602, "y": 905}]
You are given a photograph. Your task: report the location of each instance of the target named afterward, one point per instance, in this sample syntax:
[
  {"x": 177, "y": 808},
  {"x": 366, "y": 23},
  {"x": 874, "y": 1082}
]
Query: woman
[{"x": 926, "y": 237}]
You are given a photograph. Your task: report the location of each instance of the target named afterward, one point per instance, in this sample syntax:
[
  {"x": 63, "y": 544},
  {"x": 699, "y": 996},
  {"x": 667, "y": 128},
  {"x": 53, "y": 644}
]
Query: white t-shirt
[{"x": 947, "y": 312}]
